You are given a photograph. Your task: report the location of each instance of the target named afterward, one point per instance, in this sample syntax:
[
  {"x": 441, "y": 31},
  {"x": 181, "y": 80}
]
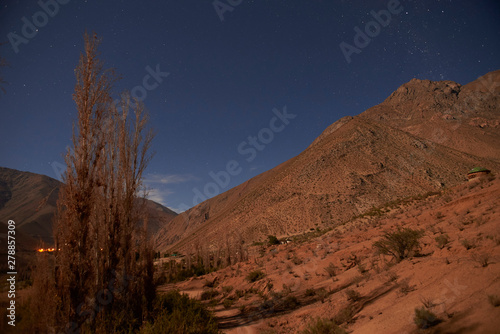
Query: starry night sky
[{"x": 228, "y": 68}]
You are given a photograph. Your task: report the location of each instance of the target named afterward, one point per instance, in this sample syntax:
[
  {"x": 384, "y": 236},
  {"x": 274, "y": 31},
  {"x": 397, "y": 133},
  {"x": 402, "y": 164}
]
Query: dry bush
[
  {"x": 392, "y": 276},
  {"x": 296, "y": 260},
  {"x": 483, "y": 259},
  {"x": 44, "y": 299},
  {"x": 494, "y": 300},
  {"x": 228, "y": 302},
  {"x": 310, "y": 292},
  {"x": 290, "y": 303},
  {"x": 427, "y": 302},
  {"x": 425, "y": 318},
  {"x": 323, "y": 326},
  {"x": 405, "y": 287},
  {"x": 468, "y": 244},
  {"x": 174, "y": 313},
  {"x": 209, "y": 294},
  {"x": 352, "y": 295},
  {"x": 362, "y": 268},
  {"x": 255, "y": 275},
  {"x": 331, "y": 269},
  {"x": 322, "y": 294},
  {"x": 442, "y": 240},
  {"x": 400, "y": 244},
  {"x": 345, "y": 315},
  {"x": 227, "y": 289}
]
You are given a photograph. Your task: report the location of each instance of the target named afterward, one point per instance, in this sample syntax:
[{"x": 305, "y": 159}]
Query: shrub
[
  {"x": 362, "y": 268},
  {"x": 296, "y": 260},
  {"x": 322, "y": 294},
  {"x": 468, "y": 244},
  {"x": 177, "y": 314},
  {"x": 483, "y": 259},
  {"x": 210, "y": 284},
  {"x": 494, "y": 300},
  {"x": 323, "y": 326},
  {"x": 425, "y": 318},
  {"x": 352, "y": 295},
  {"x": 442, "y": 240},
  {"x": 392, "y": 276},
  {"x": 427, "y": 302},
  {"x": 255, "y": 275},
  {"x": 228, "y": 303},
  {"x": 310, "y": 292},
  {"x": 400, "y": 244},
  {"x": 272, "y": 240},
  {"x": 331, "y": 269},
  {"x": 209, "y": 294},
  {"x": 405, "y": 287},
  {"x": 345, "y": 315},
  {"x": 290, "y": 302},
  {"x": 227, "y": 288}
]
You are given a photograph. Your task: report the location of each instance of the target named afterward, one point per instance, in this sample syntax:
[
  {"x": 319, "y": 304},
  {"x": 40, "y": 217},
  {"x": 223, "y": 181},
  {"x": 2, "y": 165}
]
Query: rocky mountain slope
[
  {"x": 31, "y": 201},
  {"x": 424, "y": 137},
  {"x": 340, "y": 277},
  {"x": 465, "y": 118}
]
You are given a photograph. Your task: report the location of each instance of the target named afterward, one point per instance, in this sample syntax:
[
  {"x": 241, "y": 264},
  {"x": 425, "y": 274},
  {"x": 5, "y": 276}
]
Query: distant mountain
[
  {"x": 31, "y": 201},
  {"x": 423, "y": 137}
]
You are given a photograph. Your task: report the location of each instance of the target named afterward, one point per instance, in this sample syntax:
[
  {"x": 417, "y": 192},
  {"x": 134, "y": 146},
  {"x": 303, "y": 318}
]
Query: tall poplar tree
[{"x": 103, "y": 262}]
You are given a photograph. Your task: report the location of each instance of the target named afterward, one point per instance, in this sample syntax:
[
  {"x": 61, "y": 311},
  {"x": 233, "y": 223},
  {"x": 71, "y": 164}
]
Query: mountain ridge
[
  {"x": 400, "y": 158},
  {"x": 30, "y": 200}
]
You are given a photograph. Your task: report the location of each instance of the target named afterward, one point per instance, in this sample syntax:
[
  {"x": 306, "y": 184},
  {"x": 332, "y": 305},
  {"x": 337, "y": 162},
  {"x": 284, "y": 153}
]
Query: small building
[{"x": 477, "y": 172}]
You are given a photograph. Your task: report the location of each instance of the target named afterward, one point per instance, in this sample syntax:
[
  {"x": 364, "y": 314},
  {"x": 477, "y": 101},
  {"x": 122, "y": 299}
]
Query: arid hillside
[
  {"x": 342, "y": 277},
  {"x": 31, "y": 201},
  {"x": 465, "y": 118},
  {"x": 425, "y": 137}
]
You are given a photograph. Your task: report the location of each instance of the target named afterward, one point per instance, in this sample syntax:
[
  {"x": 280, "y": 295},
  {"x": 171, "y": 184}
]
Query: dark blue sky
[{"x": 226, "y": 76}]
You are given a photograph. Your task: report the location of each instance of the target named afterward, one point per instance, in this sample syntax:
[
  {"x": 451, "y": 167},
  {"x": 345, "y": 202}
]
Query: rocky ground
[{"x": 339, "y": 275}]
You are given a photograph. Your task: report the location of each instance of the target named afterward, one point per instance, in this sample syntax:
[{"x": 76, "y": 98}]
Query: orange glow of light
[{"x": 41, "y": 250}]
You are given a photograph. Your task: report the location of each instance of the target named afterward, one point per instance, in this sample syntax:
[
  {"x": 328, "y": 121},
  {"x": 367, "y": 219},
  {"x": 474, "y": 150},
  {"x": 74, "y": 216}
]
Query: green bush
[
  {"x": 255, "y": 275},
  {"x": 425, "y": 318},
  {"x": 178, "y": 314},
  {"x": 323, "y": 326},
  {"x": 400, "y": 244}
]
